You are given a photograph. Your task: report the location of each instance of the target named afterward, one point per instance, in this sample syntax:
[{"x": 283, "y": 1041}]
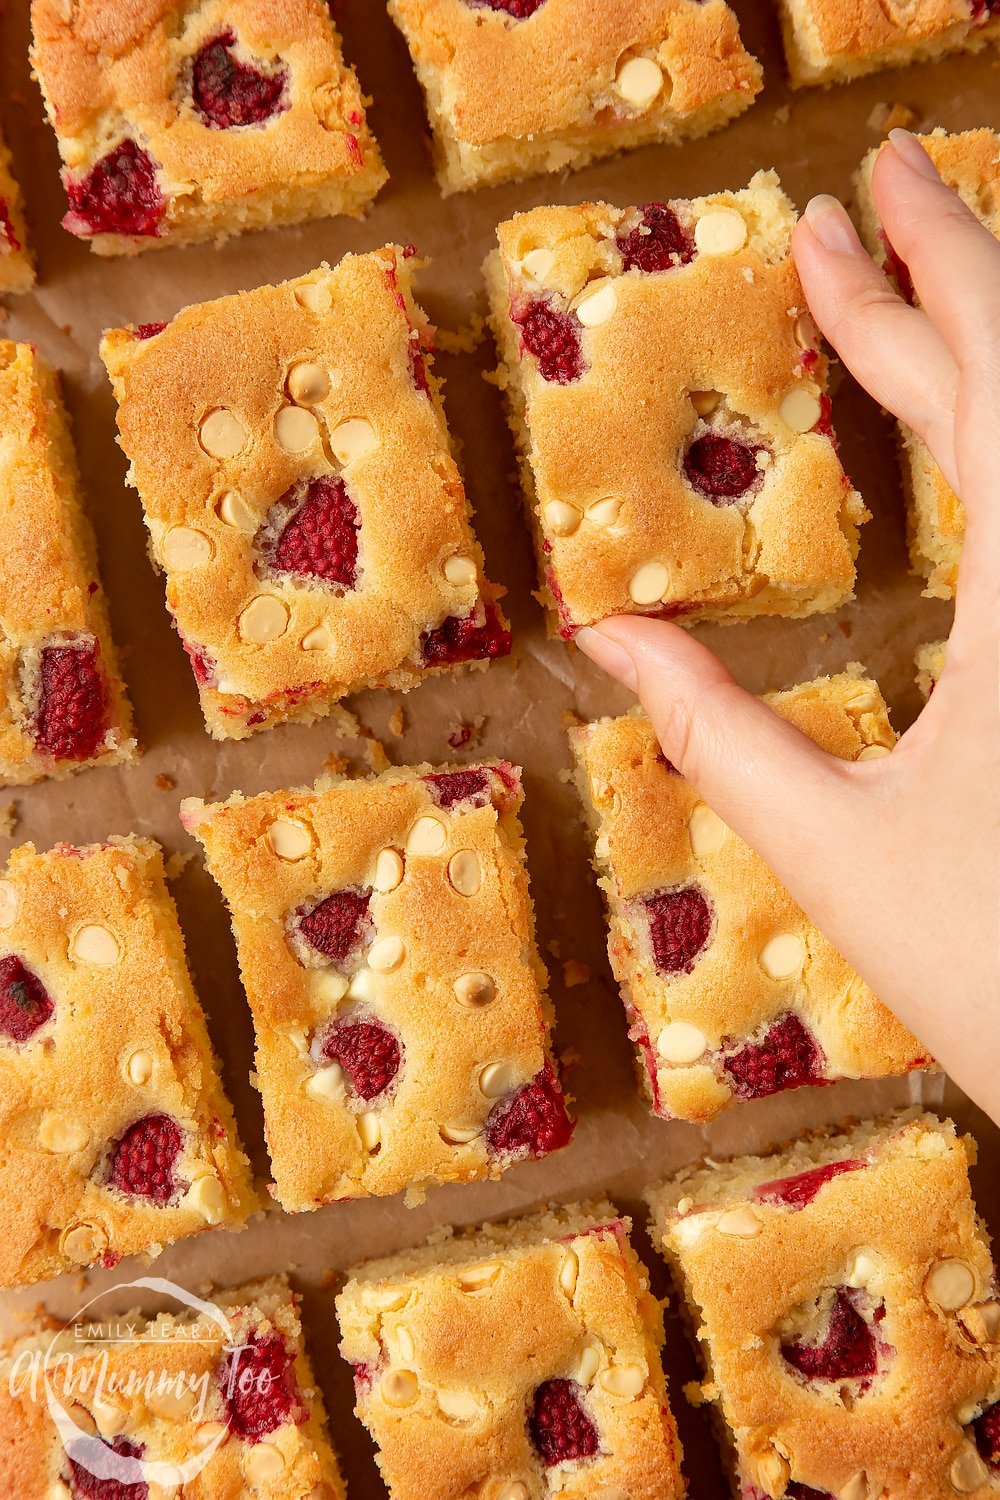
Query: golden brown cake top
[
  {"x": 858, "y": 29},
  {"x": 484, "y": 1366},
  {"x": 104, "y": 1062}
]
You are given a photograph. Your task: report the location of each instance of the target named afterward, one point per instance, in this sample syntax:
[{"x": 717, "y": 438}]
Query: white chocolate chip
[
  {"x": 289, "y": 839},
  {"x": 538, "y": 263},
  {"x": 62, "y": 1135},
  {"x": 874, "y": 752},
  {"x": 951, "y": 1284},
  {"x": 623, "y": 1380},
  {"x": 59, "y": 1491},
  {"x": 9, "y": 903},
  {"x": 399, "y": 1387},
  {"x": 475, "y": 1279},
  {"x": 680, "y": 1042},
  {"x": 314, "y": 296},
  {"x": 804, "y": 331},
  {"x": 234, "y": 511},
  {"x": 139, "y": 1067},
  {"x": 639, "y": 81},
  {"x": 295, "y": 429},
  {"x": 801, "y": 409},
  {"x": 307, "y": 383},
  {"x": 561, "y": 519},
  {"x": 863, "y": 703},
  {"x": 569, "y": 1272},
  {"x": 209, "y": 1434},
  {"x": 171, "y": 1402},
  {"x": 207, "y": 1197},
  {"x": 459, "y": 1406},
  {"x": 465, "y": 872},
  {"x": 705, "y": 402},
  {"x": 427, "y": 836},
  {"x": 108, "y": 1415},
  {"x": 514, "y": 1491},
  {"x": 982, "y": 1322},
  {"x": 327, "y": 1083},
  {"x": 968, "y": 1471},
  {"x": 649, "y": 584},
  {"x": 265, "y": 619},
  {"x": 389, "y": 870},
  {"x": 856, "y": 1488},
  {"x": 597, "y": 307},
  {"x": 774, "y": 1471},
  {"x": 720, "y": 231},
  {"x": 83, "y": 1243},
  {"x": 185, "y": 547},
  {"x": 82, "y": 1420},
  {"x": 741, "y": 1222},
  {"x": 95, "y": 944},
  {"x": 459, "y": 1135},
  {"x": 783, "y": 955},
  {"x": 222, "y": 434},
  {"x": 604, "y": 512},
  {"x": 864, "y": 1270},
  {"x": 460, "y": 571},
  {"x": 362, "y": 986},
  {"x": 474, "y": 989},
  {"x": 370, "y": 1131},
  {"x": 317, "y": 639},
  {"x": 497, "y": 1079},
  {"x": 403, "y": 1339},
  {"x": 590, "y": 1363},
  {"x": 352, "y": 439},
  {"x": 386, "y": 954},
  {"x": 385, "y": 1298},
  {"x": 262, "y": 1463},
  {"x": 706, "y": 831}
]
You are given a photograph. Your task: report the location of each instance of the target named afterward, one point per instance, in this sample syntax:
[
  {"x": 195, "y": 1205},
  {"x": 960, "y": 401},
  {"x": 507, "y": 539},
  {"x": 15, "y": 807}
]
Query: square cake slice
[
  {"x": 219, "y": 1398},
  {"x": 515, "y": 1361},
  {"x": 970, "y": 163},
  {"x": 117, "y": 1137},
  {"x": 63, "y": 704},
  {"x": 844, "y": 1299},
  {"x": 291, "y": 453},
  {"x": 517, "y": 87},
  {"x": 386, "y": 941},
  {"x": 730, "y": 992},
  {"x": 830, "y": 41},
  {"x": 179, "y": 122},
  {"x": 17, "y": 273},
  {"x": 668, "y": 398}
]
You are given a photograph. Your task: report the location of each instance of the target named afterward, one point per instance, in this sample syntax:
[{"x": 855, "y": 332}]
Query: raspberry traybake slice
[
  {"x": 117, "y": 1136},
  {"x": 63, "y": 702},
  {"x": 730, "y": 992},
  {"x": 830, "y": 41},
  {"x": 386, "y": 942},
  {"x": 591, "y": 79},
  {"x": 179, "y": 122},
  {"x": 302, "y": 499},
  {"x": 232, "y": 1407},
  {"x": 844, "y": 1299},
  {"x": 17, "y": 273},
  {"x": 668, "y": 398},
  {"x": 514, "y": 1361},
  {"x": 970, "y": 163}
]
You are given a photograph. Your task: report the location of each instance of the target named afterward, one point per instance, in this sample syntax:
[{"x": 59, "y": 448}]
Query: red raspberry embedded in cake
[
  {"x": 120, "y": 195},
  {"x": 338, "y": 925},
  {"x": 898, "y": 271},
  {"x": 368, "y": 1053},
  {"x": 680, "y": 925},
  {"x": 7, "y": 235},
  {"x": 663, "y": 761},
  {"x": 532, "y": 1121},
  {"x": 986, "y": 1430},
  {"x": 796, "y": 1192},
  {"x": 518, "y": 10},
  {"x": 658, "y": 243},
  {"x": 451, "y": 787},
  {"x": 722, "y": 468},
  {"x": 25, "y": 1003},
  {"x": 848, "y": 1352},
  {"x": 796, "y": 1491},
  {"x": 202, "y": 664},
  {"x": 143, "y": 1159},
  {"x": 149, "y": 330},
  {"x": 320, "y": 540},
  {"x": 560, "y": 1428},
  {"x": 553, "y": 337},
  {"x": 228, "y": 92},
  {"x": 457, "y": 640},
  {"x": 87, "y": 1486},
  {"x": 259, "y": 1387},
  {"x": 787, "y": 1057},
  {"x": 71, "y": 718}
]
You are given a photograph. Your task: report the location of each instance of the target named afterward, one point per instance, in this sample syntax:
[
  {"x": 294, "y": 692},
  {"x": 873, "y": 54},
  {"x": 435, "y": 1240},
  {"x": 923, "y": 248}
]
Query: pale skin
[{"x": 896, "y": 859}]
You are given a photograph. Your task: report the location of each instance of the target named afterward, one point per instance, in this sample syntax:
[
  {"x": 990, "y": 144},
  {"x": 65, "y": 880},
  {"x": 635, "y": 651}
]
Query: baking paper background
[{"x": 815, "y": 140}]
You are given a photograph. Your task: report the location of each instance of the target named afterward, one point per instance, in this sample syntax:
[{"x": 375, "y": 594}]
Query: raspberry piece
[
  {"x": 368, "y": 1053},
  {"x": 553, "y": 337},
  {"x": 721, "y": 469},
  {"x": 119, "y": 195},
  {"x": 518, "y": 10},
  {"x": 796, "y": 1192},
  {"x": 658, "y": 243},
  {"x": 418, "y": 370},
  {"x": 668, "y": 763},
  {"x": 898, "y": 271},
  {"x": 560, "y": 1428},
  {"x": 227, "y": 92},
  {"x": 796, "y": 1491},
  {"x": 25, "y": 1003},
  {"x": 986, "y": 1430},
  {"x": 259, "y": 1387},
  {"x": 787, "y": 1057},
  {"x": 532, "y": 1121},
  {"x": 149, "y": 330},
  {"x": 7, "y": 235},
  {"x": 87, "y": 1486},
  {"x": 320, "y": 540},
  {"x": 338, "y": 925},
  {"x": 71, "y": 718},
  {"x": 202, "y": 664},
  {"x": 451, "y": 787},
  {"x": 143, "y": 1159},
  {"x": 848, "y": 1352},
  {"x": 457, "y": 640},
  {"x": 680, "y": 925}
]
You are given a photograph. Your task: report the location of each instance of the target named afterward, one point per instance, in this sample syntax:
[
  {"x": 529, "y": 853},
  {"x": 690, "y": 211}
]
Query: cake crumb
[
  {"x": 554, "y": 947},
  {"x": 464, "y": 736},
  {"x": 9, "y": 819},
  {"x": 463, "y": 340},
  {"x": 885, "y": 117},
  {"x": 335, "y": 763},
  {"x": 783, "y": 115},
  {"x": 164, "y": 783},
  {"x": 845, "y": 627},
  {"x": 575, "y": 973},
  {"x": 177, "y": 863},
  {"x": 374, "y": 753},
  {"x": 397, "y": 722}
]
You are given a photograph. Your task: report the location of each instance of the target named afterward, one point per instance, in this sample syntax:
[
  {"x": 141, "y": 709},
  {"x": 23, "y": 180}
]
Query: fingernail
[
  {"x": 608, "y": 654},
  {"x": 909, "y": 148},
  {"x": 828, "y": 220}
]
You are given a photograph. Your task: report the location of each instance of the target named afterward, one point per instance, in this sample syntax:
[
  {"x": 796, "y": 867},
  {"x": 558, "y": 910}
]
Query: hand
[{"x": 895, "y": 860}]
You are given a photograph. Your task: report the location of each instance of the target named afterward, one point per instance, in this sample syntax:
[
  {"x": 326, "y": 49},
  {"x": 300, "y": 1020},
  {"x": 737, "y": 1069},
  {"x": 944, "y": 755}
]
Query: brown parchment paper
[{"x": 815, "y": 140}]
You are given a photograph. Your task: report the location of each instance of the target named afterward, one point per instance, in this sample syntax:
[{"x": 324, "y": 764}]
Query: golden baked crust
[
  {"x": 448, "y": 1360},
  {"x": 177, "y": 1358},
  {"x": 892, "y": 1234},
  {"x": 509, "y": 97},
  {"x": 438, "y": 957},
  {"x": 930, "y": 665},
  {"x": 50, "y": 593},
  {"x": 716, "y": 345},
  {"x": 829, "y": 41},
  {"x": 17, "y": 273},
  {"x": 125, "y": 1041},
  {"x": 116, "y": 71},
  {"x": 970, "y": 163},
  {"x": 738, "y": 957},
  {"x": 367, "y": 428}
]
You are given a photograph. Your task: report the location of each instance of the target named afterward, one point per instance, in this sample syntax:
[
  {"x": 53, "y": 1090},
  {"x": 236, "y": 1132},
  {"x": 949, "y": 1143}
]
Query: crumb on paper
[
  {"x": 845, "y": 627},
  {"x": 177, "y": 863},
  {"x": 569, "y": 1058},
  {"x": 464, "y": 735},
  {"x": 164, "y": 783},
  {"x": 824, "y": 637},
  {"x": 374, "y": 753},
  {"x": 9, "y": 819},
  {"x": 463, "y": 340},
  {"x": 783, "y": 115},
  {"x": 335, "y": 763},
  {"x": 554, "y": 947},
  {"x": 575, "y": 973},
  {"x": 414, "y": 1197},
  {"x": 885, "y": 117},
  {"x": 397, "y": 722},
  {"x": 697, "y": 1394}
]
